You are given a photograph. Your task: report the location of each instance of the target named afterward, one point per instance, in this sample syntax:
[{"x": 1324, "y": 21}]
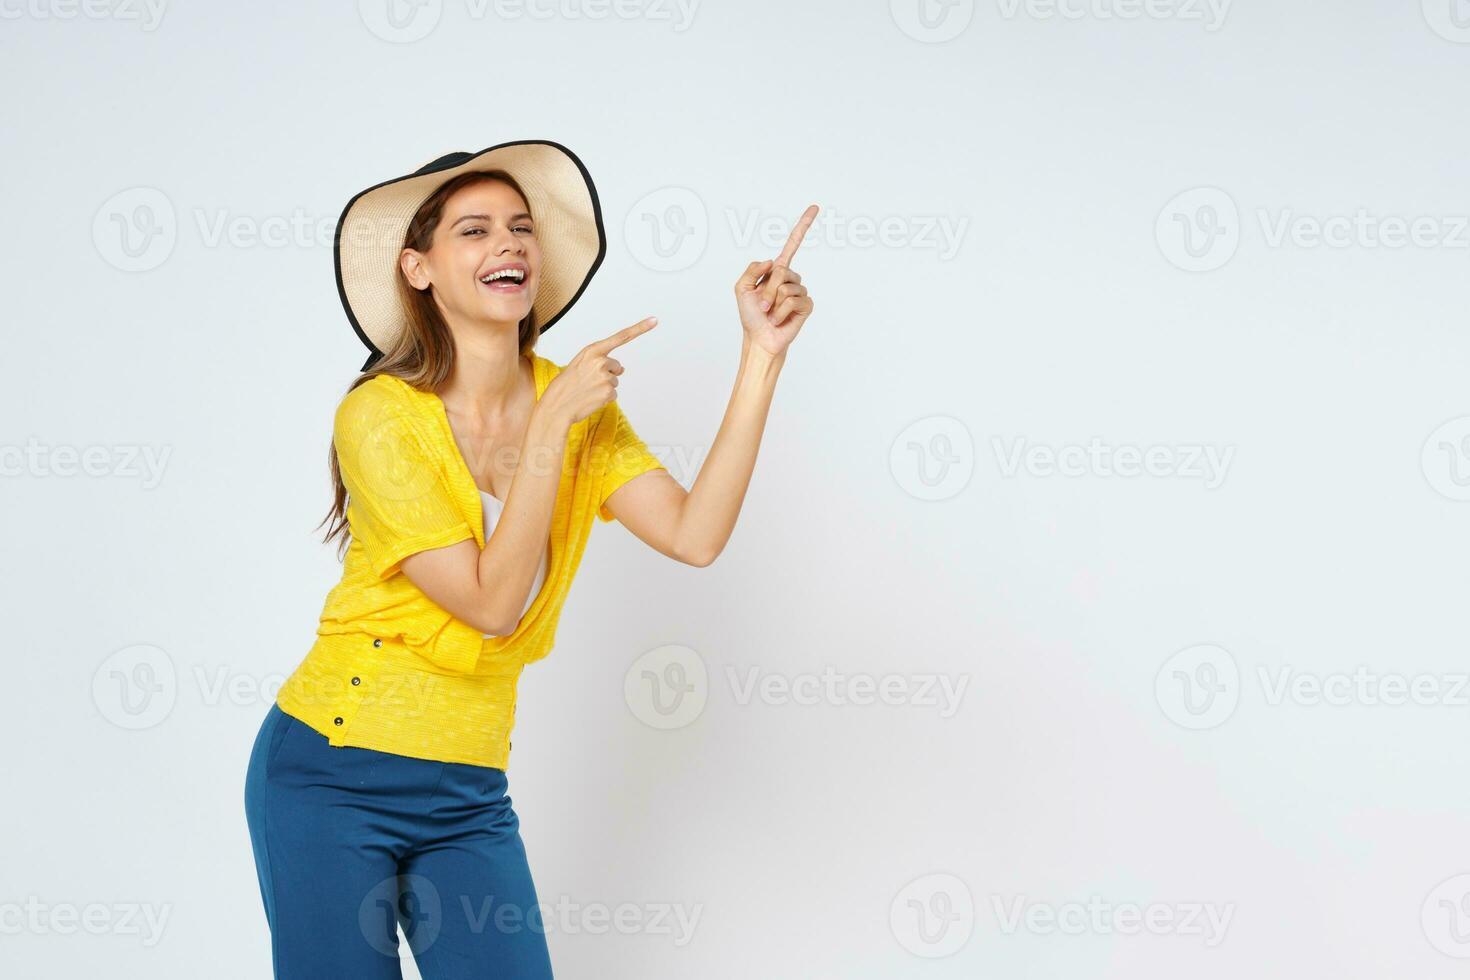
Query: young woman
[{"x": 467, "y": 470}]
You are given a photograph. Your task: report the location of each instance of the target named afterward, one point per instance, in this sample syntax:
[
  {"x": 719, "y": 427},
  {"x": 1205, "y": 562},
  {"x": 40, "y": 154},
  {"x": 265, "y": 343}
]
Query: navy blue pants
[{"x": 350, "y": 844}]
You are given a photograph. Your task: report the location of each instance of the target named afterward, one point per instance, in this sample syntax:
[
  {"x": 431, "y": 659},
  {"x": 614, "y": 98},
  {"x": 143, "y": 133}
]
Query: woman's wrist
[
  {"x": 547, "y": 425},
  {"x": 756, "y": 360}
]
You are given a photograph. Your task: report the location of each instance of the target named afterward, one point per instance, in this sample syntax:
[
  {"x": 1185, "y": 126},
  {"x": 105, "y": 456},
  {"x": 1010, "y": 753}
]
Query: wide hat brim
[{"x": 372, "y": 227}]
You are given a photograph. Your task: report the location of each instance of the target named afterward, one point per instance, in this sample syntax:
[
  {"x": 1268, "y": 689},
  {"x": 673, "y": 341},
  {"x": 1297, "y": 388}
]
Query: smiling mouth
[{"x": 505, "y": 280}]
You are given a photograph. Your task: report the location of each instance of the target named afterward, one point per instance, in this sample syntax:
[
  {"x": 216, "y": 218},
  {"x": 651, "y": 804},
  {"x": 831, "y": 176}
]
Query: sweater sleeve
[
  {"x": 627, "y": 457},
  {"x": 398, "y": 501}
]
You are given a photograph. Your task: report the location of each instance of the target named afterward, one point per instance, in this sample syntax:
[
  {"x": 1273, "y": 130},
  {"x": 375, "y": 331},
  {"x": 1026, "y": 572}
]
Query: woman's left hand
[{"x": 772, "y": 301}]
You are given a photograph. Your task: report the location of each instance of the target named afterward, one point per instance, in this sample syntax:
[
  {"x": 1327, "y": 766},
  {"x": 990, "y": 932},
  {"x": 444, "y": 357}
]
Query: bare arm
[
  {"x": 488, "y": 588},
  {"x": 694, "y": 527}
]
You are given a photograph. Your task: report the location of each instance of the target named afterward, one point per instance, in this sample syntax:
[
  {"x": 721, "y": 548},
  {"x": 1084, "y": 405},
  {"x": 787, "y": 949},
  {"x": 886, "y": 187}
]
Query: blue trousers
[{"x": 350, "y": 844}]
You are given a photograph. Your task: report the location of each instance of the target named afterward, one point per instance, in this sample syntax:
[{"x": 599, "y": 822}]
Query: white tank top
[{"x": 493, "y": 508}]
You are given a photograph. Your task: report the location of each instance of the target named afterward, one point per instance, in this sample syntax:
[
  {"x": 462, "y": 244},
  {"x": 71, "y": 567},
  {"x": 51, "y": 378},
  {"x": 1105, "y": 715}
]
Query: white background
[{"x": 889, "y": 536}]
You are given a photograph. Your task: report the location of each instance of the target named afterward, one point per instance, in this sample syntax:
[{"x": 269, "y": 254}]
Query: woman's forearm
[
  {"x": 512, "y": 554},
  {"x": 713, "y": 504}
]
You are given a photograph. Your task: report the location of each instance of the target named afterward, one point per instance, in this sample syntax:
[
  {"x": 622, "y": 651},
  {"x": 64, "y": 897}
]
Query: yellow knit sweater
[{"x": 390, "y": 669}]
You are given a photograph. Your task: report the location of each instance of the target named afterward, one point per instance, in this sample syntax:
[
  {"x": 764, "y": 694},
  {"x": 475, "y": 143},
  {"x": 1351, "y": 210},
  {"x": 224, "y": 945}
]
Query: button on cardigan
[{"x": 390, "y": 669}]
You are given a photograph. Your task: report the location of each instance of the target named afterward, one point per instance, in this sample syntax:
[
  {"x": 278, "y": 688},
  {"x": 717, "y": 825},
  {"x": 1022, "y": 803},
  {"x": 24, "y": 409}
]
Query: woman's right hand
[{"x": 589, "y": 380}]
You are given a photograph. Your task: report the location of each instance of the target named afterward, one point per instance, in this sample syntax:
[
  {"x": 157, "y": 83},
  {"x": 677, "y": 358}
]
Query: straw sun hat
[{"x": 371, "y": 230}]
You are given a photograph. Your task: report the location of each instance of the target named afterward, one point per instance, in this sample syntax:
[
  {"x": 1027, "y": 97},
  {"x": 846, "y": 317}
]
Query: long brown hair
[{"x": 423, "y": 354}]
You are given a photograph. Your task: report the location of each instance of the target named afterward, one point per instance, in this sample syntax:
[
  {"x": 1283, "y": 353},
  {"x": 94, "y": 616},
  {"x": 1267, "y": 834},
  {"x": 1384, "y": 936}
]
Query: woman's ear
[{"x": 412, "y": 264}]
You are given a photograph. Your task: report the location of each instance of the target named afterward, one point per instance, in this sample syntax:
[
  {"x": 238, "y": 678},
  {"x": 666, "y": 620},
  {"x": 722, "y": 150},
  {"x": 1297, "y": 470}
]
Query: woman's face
[{"x": 484, "y": 262}]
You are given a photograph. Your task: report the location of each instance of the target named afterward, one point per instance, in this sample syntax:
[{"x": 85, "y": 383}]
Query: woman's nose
[{"x": 506, "y": 240}]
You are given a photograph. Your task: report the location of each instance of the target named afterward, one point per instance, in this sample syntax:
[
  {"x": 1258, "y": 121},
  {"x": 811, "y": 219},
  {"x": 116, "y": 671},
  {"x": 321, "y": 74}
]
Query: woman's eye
[
  {"x": 469, "y": 230},
  {"x": 525, "y": 228}
]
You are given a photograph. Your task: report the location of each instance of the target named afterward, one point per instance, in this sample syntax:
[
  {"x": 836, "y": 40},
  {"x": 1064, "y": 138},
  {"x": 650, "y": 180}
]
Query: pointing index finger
[
  {"x": 797, "y": 234},
  {"x": 623, "y": 336}
]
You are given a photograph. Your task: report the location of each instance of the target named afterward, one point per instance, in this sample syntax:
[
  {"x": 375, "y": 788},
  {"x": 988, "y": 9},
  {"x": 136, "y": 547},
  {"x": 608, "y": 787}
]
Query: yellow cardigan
[{"x": 390, "y": 669}]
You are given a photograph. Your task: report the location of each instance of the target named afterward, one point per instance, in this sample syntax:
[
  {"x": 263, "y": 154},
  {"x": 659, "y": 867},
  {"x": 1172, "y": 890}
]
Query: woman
[{"x": 467, "y": 471}]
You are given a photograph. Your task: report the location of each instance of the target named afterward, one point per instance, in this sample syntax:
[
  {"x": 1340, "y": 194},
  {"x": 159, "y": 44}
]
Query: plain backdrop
[{"x": 1133, "y": 415}]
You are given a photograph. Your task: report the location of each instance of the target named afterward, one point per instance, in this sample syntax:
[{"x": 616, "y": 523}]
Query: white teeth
[{"x": 517, "y": 275}]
